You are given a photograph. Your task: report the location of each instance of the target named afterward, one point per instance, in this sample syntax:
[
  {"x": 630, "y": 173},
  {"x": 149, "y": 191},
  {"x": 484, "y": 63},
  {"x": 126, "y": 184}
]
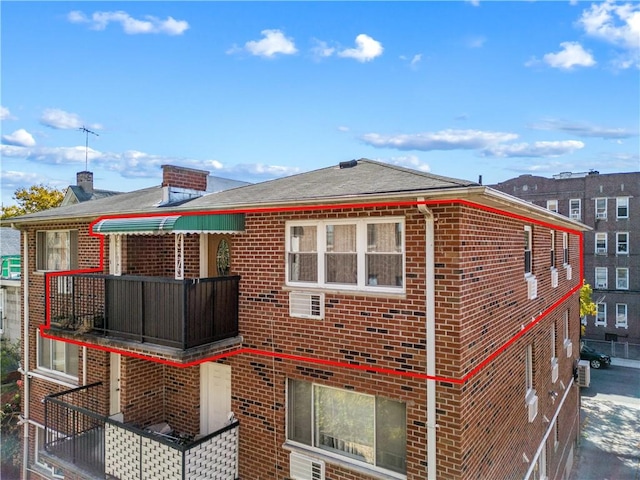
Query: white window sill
[
  {"x": 55, "y": 377},
  {"x": 344, "y": 462}
]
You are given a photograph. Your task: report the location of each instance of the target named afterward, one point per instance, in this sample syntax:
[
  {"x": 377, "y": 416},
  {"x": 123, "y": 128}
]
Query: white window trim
[
  {"x": 69, "y": 247},
  {"x": 361, "y": 249},
  {"x": 603, "y": 250},
  {"x": 40, "y": 430},
  {"x": 625, "y": 322},
  {"x": 49, "y": 371},
  {"x": 551, "y": 203},
  {"x": 578, "y": 214},
  {"x": 626, "y": 278},
  {"x": 529, "y": 233},
  {"x": 602, "y": 215},
  {"x": 566, "y": 341},
  {"x": 601, "y": 323},
  {"x": 604, "y": 285},
  {"x": 618, "y": 243},
  {"x": 619, "y": 202},
  {"x": 565, "y": 249}
]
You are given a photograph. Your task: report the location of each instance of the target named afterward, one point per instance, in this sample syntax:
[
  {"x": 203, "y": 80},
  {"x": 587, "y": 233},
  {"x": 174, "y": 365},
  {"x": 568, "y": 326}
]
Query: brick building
[
  {"x": 610, "y": 204},
  {"x": 360, "y": 321}
]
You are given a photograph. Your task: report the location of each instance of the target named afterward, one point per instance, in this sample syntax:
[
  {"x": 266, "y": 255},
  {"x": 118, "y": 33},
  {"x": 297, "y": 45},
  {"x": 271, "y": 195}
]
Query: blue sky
[{"x": 253, "y": 91}]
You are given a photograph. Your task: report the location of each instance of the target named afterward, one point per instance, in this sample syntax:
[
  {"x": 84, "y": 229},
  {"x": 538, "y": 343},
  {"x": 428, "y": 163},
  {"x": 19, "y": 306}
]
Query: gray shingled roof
[
  {"x": 97, "y": 194},
  {"x": 366, "y": 178}
]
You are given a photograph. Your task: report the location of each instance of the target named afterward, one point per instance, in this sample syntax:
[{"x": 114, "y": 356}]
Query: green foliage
[
  {"x": 587, "y": 305},
  {"x": 10, "y": 448},
  {"x": 32, "y": 199}
]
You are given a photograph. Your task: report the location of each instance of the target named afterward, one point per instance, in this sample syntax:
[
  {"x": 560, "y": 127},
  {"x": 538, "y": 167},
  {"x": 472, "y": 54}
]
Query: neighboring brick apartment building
[
  {"x": 610, "y": 204},
  {"x": 361, "y": 321}
]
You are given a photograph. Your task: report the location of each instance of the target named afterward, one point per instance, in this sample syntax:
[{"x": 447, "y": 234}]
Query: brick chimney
[
  {"x": 85, "y": 181},
  {"x": 182, "y": 177}
]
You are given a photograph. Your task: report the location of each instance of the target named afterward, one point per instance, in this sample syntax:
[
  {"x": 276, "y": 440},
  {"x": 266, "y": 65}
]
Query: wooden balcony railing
[{"x": 176, "y": 313}]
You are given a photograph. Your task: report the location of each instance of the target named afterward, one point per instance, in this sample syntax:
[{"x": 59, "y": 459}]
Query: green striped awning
[{"x": 223, "y": 223}]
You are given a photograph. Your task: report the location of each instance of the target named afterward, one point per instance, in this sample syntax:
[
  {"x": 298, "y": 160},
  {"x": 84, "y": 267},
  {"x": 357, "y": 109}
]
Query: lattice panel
[
  {"x": 214, "y": 459},
  {"x": 122, "y": 453},
  {"x": 161, "y": 462}
]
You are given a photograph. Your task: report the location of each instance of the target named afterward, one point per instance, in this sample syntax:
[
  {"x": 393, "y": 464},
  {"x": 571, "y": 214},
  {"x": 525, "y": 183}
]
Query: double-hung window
[
  {"x": 58, "y": 357},
  {"x": 575, "y": 209},
  {"x": 621, "y": 315},
  {"x": 57, "y": 250},
  {"x": 553, "y": 249},
  {"x": 358, "y": 254},
  {"x": 601, "y": 208},
  {"x": 622, "y": 243},
  {"x": 552, "y": 205},
  {"x": 528, "y": 251},
  {"x": 363, "y": 429},
  {"x": 601, "y": 315},
  {"x": 622, "y": 278},
  {"x": 601, "y": 277},
  {"x": 565, "y": 248},
  {"x": 601, "y": 243},
  {"x": 622, "y": 207}
]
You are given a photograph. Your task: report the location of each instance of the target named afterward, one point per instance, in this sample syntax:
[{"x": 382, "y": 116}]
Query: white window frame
[
  {"x": 530, "y": 391},
  {"x": 565, "y": 248},
  {"x": 600, "y": 243},
  {"x": 601, "y": 315},
  {"x": 361, "y": 251},
  {"x": 552, "y": 250},
  {"x": 601, "y": 210},
  {"x": 40, "y": 440},
  {"x": 565, "y": 330},
  {"x": 622, "y": 278},
  {"x": 622, "y": 318},
  {"x": 542, "y": 463},
  {"x": 552, "y": 205},
  {"x": 48, "y": 366},
  {"x": 622, "y": 243},
  {"x": 601, "y": 277},
  {"x": 554, "y": 353},
  {"x": 575, "y": 208},
  {"x": 528, "y": 251},
  {"x": 42, "y": 254},
  {"x": 337, "y": 455},
  {"x": 622, "y": 203}
]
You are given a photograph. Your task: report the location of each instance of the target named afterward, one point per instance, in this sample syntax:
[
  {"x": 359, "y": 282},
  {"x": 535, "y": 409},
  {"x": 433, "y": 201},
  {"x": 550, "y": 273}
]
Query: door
[
  {"x": 215, "y": 396},
  {"x": 218, "y": 255},
  {"x": 114, "y": 387}
]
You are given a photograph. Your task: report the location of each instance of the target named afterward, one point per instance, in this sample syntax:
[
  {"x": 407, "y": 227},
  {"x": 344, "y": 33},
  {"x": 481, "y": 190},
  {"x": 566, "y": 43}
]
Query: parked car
[{"x": 596, "y": 359}]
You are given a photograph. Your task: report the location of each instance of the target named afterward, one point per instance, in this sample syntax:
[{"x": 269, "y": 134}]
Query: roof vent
[{"x": 349, "y": 164}]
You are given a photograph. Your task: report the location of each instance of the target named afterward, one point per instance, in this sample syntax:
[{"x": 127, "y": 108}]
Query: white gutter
[
  {"x": 25, "y": 358},
  {"x": 430, "y": 359}
]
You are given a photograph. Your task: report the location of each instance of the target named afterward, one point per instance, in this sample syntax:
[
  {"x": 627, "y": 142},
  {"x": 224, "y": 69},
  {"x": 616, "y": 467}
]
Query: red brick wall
[{"x": 184, "y": 177}]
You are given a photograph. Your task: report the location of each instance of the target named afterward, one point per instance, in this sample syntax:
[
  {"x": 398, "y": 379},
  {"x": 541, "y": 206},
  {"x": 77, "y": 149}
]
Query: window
[
  {"x": 57, "y": 250},
  {"x": 622, "y": 243},
  {"x": 357, "y": 254},
  {"x": 621, "y": 315},
  {"x": 57, "y": 356},
  {"x": 565, "y": 329},
  {"x": 40, "y": 440},
  {"x": 601, "y": 277},
  {"x": 601, "y": 208},
  {"x": 528, "y": 251},
  {"x": 565, "y": 248},
  {"x": 601, "y": 314},
  {"x": 2, "y": 309},
  {"x": 552, "y": 205},
  {"x": 542, "y": 464},
  {"x": 553, "y": 343},
  {"x": 366, "y": 429},
  {"x": 556, "y": 435},
  {"x": 622, "y": 278},
  {"x": 622, "y": 207},
  {"x": 575, "y": 210},
  {"x": 601, "y": 243},
  {"x": 553, "y": 249}
]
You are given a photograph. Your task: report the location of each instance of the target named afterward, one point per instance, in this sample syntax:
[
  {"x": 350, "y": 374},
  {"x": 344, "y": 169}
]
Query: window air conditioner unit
[
  {"x": 305, "y": 468},
  {"x": 569, "y": 272},
  {"x": 554, "y": 371},
  {"x": 601, "y": 215},
  {"x": 601, "y": 285},
  {"x": 532, "y": 407},
  {"x": 569, "y": 348},
  {"x": 554, "y": 278},
  {"x": 584, "y": 373},
  {"x": 601, "y": 251},
  {"x": 532, "y": 288},
  {"x": 306, "y": 305}
]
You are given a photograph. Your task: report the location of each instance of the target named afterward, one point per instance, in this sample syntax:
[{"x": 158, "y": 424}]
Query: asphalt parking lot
[{"x": 609, "y": 446}]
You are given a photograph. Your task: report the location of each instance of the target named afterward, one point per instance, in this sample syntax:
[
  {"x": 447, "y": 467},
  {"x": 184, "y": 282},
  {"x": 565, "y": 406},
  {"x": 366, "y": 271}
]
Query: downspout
[
  {"x": 25, "y": 358},
  {"x": 430, "y": 305}
]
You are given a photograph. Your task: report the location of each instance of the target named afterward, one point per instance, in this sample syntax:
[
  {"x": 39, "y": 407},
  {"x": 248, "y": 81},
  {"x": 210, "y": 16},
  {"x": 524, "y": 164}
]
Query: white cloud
[
  {"x": 584, "y": 130},
  {"x": 475, "y": 3},
  {"x": 442, "y": 140},
  {"x": 476, "y": 42},
  {"x": 273, "y": 43},
  {"x": 20, "y": 138},
  {"x": 130, "y": 25},
  {"x": 366, "y": 49},
  {"x": 409, "y": 161},
  {"x": 618, "y": 25},
  {"x": 536, "y": 149},
  {"x": 343, "y": 128},
  {"x": 321, "y": 49},
  {"x": 61, "y": 120},
  {"x": 5, "y": 114},
  {"x": 571, "y": 55}
]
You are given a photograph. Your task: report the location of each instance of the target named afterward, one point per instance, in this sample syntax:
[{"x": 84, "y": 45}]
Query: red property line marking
[{"x": 45, "y": 329}]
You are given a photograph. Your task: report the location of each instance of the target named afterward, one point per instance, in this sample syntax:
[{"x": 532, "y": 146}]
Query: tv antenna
[{"x": 86, "y": 144}]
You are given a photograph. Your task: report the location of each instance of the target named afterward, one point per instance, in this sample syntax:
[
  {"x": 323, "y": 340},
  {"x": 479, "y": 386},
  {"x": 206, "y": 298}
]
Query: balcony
[
  {"x": 94, "y": 446},
  {"x": 182, "y": 314}
]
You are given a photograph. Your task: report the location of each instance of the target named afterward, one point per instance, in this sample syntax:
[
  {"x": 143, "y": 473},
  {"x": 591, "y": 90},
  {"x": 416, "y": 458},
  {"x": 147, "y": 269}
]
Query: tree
[
  {"x": 587, "y": 305},
  {"x": 32, "y": 199}
]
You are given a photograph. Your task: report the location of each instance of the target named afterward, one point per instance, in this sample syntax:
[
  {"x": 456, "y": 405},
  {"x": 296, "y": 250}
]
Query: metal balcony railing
[{"x": 177, "y": 313}]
